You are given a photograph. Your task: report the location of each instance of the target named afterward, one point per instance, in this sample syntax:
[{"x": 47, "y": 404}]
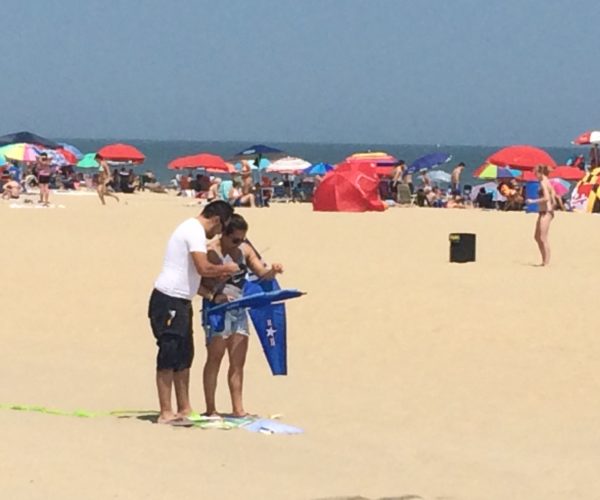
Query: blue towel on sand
[{"x": 268, "y": 426}]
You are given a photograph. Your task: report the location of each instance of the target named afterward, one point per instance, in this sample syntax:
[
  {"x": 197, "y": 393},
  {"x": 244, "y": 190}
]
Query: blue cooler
[{"x": 531, "y": 193}]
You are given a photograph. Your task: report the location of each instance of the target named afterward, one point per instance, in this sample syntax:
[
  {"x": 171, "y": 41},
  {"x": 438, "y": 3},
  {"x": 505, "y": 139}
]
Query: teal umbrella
[
  {"x": 88, "y": 161},
  {"x": 2, "y": 161}
]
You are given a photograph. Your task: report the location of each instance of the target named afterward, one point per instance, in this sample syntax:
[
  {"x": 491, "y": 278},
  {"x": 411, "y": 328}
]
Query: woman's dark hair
[
  {"x": 236, "y": 223},
  {"x": 219, "y": 208}
]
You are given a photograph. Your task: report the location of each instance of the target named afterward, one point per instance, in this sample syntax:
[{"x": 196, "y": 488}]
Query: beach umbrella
[
  {"x": 69, "y": 157},
  {"x": 288, "y": 165},
  {"x": 428, "y": 162},
  {"x": 206, "y": 161},
  {"x": 586, "y": 138},
  {"x": 318, "y": 169},
  {"x": 521, "y": 157},
  {"x": 20, "y": 152},
  {"x": 88, "y": 161},
  {"x": 29, "y": 138},
  {"x": 56, "y": 156},
  {"x": 2, "y": 161},
  {"x": 383, "y": 162},
  {"x": 561, "y": 187},
  {"x": 121, "y": 153},
  {"x": 491, "y": 171},
  {"x": 567, "y": 173},
  {"x": 489, "y": 187},
  {"x": 78, "y": 155},
  {"x": 439, "y": 176},
  {"x": 259, "y": 151}
]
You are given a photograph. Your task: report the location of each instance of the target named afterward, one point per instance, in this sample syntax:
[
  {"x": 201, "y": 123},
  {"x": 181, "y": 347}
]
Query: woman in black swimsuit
[
  {"x": 546, "y": 203},
  {"x": 44, "y": 173}
]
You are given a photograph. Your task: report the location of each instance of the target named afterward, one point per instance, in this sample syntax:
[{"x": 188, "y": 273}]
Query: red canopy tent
[
  {"x": 351, "y": 187},
  {"x": 121, "y": 153}
]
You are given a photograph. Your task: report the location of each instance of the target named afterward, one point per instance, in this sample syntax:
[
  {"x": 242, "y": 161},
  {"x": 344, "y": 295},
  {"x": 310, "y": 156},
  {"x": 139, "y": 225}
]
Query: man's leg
[
  {"x": 181, "y": 380},
  {"x": 237, "y": 347},
  {"x": 164, "y": 381},
  {"x": 215, "y": 351}
]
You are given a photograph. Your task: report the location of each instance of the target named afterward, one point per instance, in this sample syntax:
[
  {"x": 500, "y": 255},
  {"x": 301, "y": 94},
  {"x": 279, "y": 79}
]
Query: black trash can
[{"x": 462, "y": 247}]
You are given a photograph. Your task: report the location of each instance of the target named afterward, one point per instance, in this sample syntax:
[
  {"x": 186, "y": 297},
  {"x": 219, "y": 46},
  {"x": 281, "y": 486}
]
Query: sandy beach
[{"x": 409, "y": 375}]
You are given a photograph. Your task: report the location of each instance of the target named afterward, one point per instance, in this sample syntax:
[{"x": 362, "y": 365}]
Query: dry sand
[{"x": 409, "y": 375}]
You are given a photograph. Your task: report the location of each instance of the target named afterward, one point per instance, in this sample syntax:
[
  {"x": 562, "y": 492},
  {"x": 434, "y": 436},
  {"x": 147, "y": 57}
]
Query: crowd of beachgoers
[{"x": 249, "y": 184}]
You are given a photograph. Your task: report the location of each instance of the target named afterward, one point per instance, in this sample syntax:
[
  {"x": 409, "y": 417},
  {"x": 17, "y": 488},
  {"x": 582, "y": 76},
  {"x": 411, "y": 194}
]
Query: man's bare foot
[
  {"x": 186, "y": 412},
  {"x": 165, "y": 418},
  {"x": 212, "y": 414}
]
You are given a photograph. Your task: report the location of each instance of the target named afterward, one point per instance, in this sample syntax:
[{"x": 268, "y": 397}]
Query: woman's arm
[{"x": 258, "y": 267}]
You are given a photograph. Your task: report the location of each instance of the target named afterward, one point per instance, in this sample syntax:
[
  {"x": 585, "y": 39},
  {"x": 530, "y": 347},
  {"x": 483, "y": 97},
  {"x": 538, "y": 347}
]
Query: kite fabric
[{"x": 267, "y": 312}]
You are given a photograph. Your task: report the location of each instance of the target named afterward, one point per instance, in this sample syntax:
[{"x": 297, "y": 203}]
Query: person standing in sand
[
  {"x": 44, "y": 173},
  {"x": 455, "y": 178},
  {"x": 170, "y": 307},
  {"x": 230, "y": 247},
  {"x": 104, "y": 179},
  {"x": 396, "y": 175},
  {"x": 546, "y": 204}
]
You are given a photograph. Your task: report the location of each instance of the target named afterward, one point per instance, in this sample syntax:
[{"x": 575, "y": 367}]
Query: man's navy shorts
[{"x": 171, "y": 322}]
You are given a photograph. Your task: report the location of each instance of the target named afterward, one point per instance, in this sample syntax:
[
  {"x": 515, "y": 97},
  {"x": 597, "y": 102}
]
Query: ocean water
[{"x": 160, "y": 153}]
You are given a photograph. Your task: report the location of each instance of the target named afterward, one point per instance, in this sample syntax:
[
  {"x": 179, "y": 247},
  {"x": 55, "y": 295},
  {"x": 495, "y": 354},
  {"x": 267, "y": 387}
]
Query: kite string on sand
[{"x": 75, "y": 413}]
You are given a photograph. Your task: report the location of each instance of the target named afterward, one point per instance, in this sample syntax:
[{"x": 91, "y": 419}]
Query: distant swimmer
[
  {"x": 104, "y": 178},
  {"x": 546, "y": 204}
]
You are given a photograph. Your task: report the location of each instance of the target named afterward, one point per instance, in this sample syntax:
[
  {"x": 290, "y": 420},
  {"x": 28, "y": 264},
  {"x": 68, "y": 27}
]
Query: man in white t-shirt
[{"x": 170, "y": 308}]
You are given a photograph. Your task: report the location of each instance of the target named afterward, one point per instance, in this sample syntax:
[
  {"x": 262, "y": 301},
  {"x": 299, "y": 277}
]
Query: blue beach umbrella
[
  {"x": 428, "y": 162},
  {"x": 318, "y": 169},
  {"x": 260, "y": 151},
  {"x": 27, "y": 138},
  {"x": 2, "y": 161}
]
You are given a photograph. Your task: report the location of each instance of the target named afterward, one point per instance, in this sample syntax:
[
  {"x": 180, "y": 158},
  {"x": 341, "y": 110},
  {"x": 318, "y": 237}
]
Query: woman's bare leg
[
  {"x": 100, "y": 191},
  {"x": 544, "y": 223},
  {"x": 214, "y": 354},
  {"x": 538, "y": 238},
  {"x": 237, "y": 347}
]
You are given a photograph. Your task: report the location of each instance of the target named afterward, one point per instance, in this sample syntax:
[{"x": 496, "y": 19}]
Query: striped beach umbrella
[
  {"x": 490, "y": 171},
  {"x": 20, "y": 152}
]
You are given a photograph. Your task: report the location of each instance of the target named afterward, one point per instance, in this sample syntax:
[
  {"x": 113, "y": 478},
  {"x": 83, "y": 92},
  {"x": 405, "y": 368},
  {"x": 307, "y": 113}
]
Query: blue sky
[{"x": 381, "y": 71}]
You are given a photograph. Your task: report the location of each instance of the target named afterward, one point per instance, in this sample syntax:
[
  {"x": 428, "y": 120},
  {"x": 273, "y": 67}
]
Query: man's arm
[{"x": 209, "y": 270}]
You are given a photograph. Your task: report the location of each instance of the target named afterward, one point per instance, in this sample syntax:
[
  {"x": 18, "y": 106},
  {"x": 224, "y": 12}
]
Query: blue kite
[{"x": 264, "y": 301}]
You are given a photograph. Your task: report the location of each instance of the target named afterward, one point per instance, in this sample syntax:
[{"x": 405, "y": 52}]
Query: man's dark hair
[
  {"x": 218, "y": 208},
  {"x": 461, "y": 164},
  {"x": 236, "y": 223}
]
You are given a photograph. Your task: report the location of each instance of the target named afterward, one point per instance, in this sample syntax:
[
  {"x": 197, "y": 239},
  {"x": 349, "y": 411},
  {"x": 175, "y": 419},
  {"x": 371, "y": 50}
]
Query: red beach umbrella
[
  {"x": 68, "y": 156},
  {"x": 121, "y": 152},
  {"x": 521, "y": 157},
  {"x": 209, "y": 162},
  {"x": 567, "y": 173}
]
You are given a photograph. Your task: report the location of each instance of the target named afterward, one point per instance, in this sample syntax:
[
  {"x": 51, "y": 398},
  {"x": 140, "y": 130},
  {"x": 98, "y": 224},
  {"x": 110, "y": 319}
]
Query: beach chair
[{"x": 403, "y": 194}]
